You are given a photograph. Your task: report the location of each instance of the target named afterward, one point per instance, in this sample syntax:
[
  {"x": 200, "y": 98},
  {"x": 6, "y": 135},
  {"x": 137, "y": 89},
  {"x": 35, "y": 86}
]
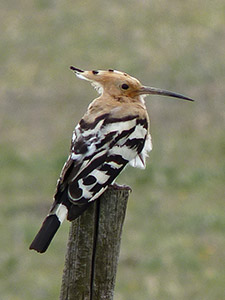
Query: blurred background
[{"x": 174, "y": 234}]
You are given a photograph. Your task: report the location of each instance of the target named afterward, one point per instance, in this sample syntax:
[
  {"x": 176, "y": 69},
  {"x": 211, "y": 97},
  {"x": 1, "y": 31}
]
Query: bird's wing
[{"x": 99, "y": 152}]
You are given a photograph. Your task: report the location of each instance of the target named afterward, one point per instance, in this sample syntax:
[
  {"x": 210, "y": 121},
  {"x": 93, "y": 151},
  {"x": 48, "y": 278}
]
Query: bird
[{"x": 113, "y": 133}]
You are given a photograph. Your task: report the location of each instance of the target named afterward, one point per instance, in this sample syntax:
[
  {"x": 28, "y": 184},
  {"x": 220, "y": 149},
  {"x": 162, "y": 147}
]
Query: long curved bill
[{"x": 146, "y": 90}]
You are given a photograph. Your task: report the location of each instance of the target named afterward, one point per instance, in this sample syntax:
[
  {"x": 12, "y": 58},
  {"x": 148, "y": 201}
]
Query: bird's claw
[{"x": 120, "y": 187}]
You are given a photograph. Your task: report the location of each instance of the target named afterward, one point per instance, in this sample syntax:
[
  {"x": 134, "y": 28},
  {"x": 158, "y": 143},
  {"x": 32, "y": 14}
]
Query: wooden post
[{"x": 93, "y": 248}]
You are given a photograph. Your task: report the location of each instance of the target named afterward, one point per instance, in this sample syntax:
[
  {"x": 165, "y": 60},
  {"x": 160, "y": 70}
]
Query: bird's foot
[{"x": 120, "y": 187}]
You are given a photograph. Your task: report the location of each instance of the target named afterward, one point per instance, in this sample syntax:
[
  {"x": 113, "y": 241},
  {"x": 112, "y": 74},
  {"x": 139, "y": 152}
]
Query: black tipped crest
[{"x": 76, "y": 69}]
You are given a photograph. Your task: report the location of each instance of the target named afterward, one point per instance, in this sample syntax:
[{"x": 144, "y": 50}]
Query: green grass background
[{"x": 174, "y": 234}]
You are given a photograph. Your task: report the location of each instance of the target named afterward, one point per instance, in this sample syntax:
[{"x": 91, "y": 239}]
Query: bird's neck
[{"x": 118, "y": 98}]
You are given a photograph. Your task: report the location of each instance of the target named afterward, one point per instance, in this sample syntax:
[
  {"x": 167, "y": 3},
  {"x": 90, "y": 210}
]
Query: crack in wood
[{"x": 95, "y": 240}]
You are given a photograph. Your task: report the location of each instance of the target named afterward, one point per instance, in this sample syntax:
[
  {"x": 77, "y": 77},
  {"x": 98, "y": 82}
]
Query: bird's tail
[
  {"x": 58, "y": 213},
  {"x": 49, "y": 227}
]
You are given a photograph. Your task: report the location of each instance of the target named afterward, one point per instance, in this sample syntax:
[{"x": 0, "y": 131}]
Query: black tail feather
[{"x": 45, "y": 234}]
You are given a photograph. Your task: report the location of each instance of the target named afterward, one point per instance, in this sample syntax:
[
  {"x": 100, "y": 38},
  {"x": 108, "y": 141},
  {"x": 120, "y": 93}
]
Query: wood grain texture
[{"x": 93, "y": 248}]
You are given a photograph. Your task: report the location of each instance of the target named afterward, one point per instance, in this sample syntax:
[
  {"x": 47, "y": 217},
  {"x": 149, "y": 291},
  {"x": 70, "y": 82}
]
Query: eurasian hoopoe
[{"x": 113, "y": 132}]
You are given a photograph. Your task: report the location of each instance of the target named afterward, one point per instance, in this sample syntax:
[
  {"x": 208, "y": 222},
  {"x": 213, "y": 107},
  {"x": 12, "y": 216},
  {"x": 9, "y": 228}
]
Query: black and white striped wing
[{"x": 99, "y": 152}]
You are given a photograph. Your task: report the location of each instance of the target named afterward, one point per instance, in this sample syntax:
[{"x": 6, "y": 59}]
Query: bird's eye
[{"x": 125, "y": 86}]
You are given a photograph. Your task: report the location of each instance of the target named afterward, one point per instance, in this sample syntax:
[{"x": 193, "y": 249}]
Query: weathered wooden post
[{"x": 93, "y": 248}]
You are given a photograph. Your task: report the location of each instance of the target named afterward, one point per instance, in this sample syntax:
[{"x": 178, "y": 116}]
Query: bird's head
[{"x": 118, "y": 83}]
